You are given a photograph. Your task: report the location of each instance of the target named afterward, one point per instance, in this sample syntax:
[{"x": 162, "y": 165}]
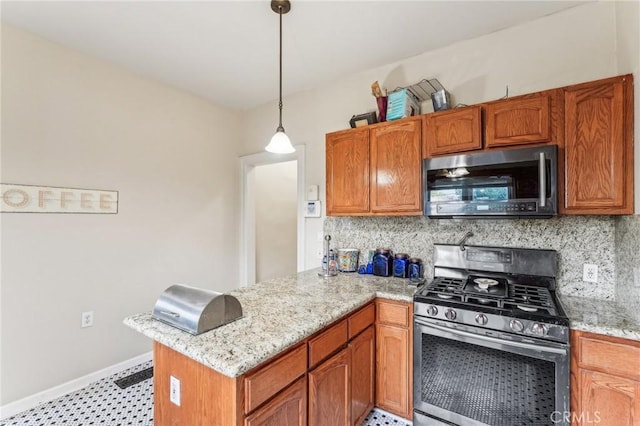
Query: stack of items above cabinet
[
  {"x": 592, "y": 124},
  {"x": 375, "y": 170},
  {"x": 605, "y": 380}
]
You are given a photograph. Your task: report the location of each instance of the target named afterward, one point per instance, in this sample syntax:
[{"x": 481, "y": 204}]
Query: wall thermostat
[{"x": 312, "y": 208}]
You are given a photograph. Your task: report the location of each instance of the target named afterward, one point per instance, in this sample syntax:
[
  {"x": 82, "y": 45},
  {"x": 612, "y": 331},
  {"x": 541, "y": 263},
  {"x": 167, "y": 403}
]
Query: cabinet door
[
  {"x": 396, "y": 167},
  {"x": 330, "y": 391},
  {"x": 289, "y": 408},
  {"x": 363, "y": 352},
  {"x": 453, "y": 131},
  {"x": 522, "y": 120},
  {"x": 393, "y": 380},
  {"x": 599, "y": 151},
  {"x": 608, "y": 400},
  {"x": 347, "y": 157}
]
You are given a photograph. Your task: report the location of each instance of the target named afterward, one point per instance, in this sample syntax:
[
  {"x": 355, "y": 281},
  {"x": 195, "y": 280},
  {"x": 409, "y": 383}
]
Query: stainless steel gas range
[{"x": 491, "y": 340}]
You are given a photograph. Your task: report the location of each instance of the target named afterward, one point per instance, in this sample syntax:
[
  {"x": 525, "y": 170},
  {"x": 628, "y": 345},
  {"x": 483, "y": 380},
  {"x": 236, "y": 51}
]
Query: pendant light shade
[{"x": 280, "y": 143}]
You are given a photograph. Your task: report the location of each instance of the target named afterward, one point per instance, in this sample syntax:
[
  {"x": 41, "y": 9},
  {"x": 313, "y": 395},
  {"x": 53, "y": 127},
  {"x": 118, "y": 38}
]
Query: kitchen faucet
[{"x": 464, "y": 240}]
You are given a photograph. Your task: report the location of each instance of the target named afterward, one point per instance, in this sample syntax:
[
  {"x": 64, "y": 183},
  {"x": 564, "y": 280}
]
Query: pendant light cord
[{"x": 280, "y": 128}]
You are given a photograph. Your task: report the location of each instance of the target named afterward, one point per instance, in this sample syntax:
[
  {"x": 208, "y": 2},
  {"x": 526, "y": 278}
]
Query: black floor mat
[{"x": 134, "y": 378}]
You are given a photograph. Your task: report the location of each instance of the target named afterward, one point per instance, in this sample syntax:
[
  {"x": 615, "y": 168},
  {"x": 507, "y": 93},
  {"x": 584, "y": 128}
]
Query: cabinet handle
[{"x": 542, "y": 180}]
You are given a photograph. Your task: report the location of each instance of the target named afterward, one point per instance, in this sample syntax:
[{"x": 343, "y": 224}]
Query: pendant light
[{"x": 280, "y": 143}]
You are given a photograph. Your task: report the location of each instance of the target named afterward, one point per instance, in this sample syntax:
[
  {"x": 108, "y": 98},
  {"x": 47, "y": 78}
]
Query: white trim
[
  {"x": 247, "y": 210},
  {"x": 50, "y": 394}
]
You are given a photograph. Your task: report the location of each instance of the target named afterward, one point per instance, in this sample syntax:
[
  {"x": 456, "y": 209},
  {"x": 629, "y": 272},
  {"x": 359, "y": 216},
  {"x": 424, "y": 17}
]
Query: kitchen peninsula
[{"x": 297, "y": 336}]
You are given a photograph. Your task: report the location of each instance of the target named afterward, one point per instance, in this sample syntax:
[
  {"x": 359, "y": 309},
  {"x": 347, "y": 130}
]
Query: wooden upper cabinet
[
  {"x": 347, "y": 160},
  {"x": 453, "y": 131},
  {"x": 521, "y": 120},
  {"x": 396, "y": 167},
  {"x": 599, "y": 147}
]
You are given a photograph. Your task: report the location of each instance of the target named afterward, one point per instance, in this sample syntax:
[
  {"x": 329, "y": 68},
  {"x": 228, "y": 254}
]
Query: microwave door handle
[{"x": 542, "y": 180}]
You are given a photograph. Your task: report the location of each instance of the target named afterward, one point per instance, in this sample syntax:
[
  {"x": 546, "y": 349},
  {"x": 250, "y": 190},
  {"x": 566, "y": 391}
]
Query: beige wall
[
  {"x": 574, "y": 46},
  {"x": 69, "y": 120},
  {"x": 276, "y": 192}
]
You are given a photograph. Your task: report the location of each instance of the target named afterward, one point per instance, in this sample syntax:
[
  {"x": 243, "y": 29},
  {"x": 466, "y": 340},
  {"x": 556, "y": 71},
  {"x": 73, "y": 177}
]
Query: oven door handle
[{"x": 543, "y": 346}]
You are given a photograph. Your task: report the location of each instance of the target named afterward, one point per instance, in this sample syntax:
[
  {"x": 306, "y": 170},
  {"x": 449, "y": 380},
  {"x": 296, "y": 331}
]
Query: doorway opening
[{"x": 272, "y": 226}]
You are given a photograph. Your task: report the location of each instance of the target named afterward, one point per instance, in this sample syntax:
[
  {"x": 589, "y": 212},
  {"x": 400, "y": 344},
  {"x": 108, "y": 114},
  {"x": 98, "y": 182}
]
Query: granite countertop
[
  {"x": 276, "y": 314},
  {"x": 600, "y": 316}
]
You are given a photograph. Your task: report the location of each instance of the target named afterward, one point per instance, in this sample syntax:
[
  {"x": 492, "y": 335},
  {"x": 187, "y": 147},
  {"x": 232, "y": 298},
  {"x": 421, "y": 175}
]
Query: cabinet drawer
[
  {"x": 270, "y": 379},
  {"x": 613, "y": 357},
  {"x": 327, "y": 342},
  {"x": 394, "y": 313},
  {"x": 361, "y": 320}
]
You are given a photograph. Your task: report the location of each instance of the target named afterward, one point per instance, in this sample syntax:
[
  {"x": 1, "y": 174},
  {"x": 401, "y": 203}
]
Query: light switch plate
[{"x": 312, "y": 192}]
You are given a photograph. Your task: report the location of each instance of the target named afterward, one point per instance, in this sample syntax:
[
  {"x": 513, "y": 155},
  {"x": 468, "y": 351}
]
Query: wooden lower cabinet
[
  {"x": 394, "y": 358},
  {"x": 330, "y": 391},
  {"x": 332, "y": 378},
  {"x": 605, "y": 380},
  {"x": 289, "y": 408},
  {"x": 363, "y": 365}
]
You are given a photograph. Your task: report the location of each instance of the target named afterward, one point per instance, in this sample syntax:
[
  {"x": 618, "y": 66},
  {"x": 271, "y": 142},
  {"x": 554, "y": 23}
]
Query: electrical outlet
[
  {"x": 174, "y": 390},
  {"x": 319, "y": 252},
  {"x": 590, "y": 273},
  {"x": 87, "y": 319},
  {"x": 320, "y": 236}
]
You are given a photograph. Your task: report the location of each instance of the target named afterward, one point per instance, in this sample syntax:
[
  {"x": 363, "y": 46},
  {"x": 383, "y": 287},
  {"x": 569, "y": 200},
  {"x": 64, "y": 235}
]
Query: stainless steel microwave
[{"x": 510, "y": 183}]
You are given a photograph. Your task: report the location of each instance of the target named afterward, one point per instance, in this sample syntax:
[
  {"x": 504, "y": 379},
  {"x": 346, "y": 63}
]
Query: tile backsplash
[
  {"x": 578, "y": 240},
  {"x": 627, "y": 290}
]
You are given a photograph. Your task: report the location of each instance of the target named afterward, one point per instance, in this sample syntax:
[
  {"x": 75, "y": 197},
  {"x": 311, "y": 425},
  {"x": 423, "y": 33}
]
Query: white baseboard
[{"x": 13, "y": 408}]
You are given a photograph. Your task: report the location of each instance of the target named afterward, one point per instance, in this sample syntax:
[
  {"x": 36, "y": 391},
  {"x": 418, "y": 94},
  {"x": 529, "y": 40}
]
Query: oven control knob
[
  {"x": 450, "y": 314},
  {"x": 482, "y": 319},
  {"x": 539, "y": 329},
  {"x": 432, "y": 311},
  {"x": 516, "y": 326}
]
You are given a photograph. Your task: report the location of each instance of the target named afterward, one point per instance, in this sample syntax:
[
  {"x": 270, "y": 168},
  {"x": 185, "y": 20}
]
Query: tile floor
[{"x": 104, "y": 403}]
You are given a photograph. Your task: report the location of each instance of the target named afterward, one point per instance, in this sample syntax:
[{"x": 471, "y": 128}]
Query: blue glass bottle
[
  {"x": 382, "y": 262},
  {"x": 400, "y": 263}
]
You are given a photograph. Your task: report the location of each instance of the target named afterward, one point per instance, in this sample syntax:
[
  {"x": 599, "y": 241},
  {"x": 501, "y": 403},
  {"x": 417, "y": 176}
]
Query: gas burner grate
[
  {"x": 530, "y": 299},
  {"x": 445, "y": 288}
]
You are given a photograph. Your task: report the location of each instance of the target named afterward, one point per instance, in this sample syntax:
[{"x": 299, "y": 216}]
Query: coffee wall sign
[{"x": 48, "y": 199}]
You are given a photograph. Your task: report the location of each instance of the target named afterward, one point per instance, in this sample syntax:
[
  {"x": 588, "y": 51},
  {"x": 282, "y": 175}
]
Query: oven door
[{"x": 463, "y": 376}]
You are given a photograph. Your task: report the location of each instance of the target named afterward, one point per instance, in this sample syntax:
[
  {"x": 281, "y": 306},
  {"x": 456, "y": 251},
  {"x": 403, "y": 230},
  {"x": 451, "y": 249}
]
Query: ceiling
[{"x": 227, "y": 51}]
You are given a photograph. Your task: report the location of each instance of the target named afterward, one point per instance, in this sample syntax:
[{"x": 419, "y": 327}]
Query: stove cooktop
[{"x": 508, "y": 297}]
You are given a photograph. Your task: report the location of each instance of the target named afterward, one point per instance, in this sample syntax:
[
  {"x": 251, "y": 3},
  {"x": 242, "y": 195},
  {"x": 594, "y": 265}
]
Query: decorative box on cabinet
[
  {"x": 452, "y": 131},
  {"x": 375, "y": 170},
  {"x": 605, "y": 380},
  {"x": 598, "y": 133}
]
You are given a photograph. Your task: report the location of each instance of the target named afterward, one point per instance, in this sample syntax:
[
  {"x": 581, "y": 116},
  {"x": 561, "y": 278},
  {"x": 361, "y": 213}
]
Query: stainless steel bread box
[{"x": 196, "y": 310}]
